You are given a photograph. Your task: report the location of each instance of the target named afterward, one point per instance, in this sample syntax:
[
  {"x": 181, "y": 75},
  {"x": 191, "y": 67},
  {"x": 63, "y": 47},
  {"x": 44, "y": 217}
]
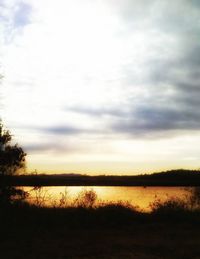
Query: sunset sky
[{"x": 110, "y": 86}]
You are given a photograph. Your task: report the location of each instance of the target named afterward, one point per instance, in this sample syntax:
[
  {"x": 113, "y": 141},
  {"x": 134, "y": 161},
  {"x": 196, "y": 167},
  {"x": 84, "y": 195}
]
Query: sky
[{"x": 102, "y": 86}]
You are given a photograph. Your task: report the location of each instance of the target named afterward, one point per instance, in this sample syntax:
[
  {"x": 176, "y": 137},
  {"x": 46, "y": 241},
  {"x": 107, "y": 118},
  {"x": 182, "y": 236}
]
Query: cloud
[
  {"x": 171, "y": 79},
  {"x": 22, "y": 15},
  {"x": 61, "y": 130},
  {"x": 39, "y": 147},
  {"x": 152, "y": 121},
  {"x": 14, "y": 16},
  {"x": 53, "y": 147},
  {"x": 96, "y": 111}
]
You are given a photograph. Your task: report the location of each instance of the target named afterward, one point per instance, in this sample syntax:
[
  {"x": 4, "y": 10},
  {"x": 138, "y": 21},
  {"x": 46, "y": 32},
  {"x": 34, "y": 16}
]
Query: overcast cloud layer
[{"x": 81, "y": 75}]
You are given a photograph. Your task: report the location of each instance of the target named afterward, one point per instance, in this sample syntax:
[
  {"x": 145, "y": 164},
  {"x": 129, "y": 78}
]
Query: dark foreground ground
[
  {"x": 149, "y": 241},
  {"x": 108, "y": 232}
]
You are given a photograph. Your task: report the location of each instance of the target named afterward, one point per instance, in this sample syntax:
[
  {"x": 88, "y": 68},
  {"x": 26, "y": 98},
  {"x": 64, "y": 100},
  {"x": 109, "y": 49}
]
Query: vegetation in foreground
[{"x": 114, "y": 230}]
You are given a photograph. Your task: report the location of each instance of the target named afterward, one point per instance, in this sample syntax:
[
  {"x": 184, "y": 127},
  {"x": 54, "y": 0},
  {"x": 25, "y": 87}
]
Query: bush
[
  {"x": 194, "y": 198},
  {"x": 86, "y": 199},
  {"x": 174, "y": 205}
]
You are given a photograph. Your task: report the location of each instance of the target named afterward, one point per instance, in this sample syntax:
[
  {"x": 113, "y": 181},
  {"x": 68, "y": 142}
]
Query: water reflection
[{"x": 137, "y": 196}]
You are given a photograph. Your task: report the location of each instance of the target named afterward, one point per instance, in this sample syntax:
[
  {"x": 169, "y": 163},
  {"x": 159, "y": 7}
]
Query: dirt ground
[{"x": 152, "y": 241}]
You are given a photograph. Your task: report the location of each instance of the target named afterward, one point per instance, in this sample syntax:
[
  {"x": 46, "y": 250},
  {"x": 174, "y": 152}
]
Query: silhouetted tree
[{"x": 12, "y": 160}]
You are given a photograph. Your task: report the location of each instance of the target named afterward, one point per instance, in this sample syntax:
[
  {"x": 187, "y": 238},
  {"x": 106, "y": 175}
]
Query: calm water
[{"x": 137, "y": 196}]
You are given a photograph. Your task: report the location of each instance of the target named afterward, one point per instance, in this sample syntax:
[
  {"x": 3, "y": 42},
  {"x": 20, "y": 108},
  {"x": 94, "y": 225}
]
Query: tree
[{"x": 12, "y": 160}]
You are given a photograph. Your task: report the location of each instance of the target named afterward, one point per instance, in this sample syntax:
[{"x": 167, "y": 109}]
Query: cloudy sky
[{"x": 102, "y": 86}]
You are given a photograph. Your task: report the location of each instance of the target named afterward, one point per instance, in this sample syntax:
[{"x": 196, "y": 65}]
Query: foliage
[
  {"x": 12, "y": 160},
  {"x": 63, "y": 202},
  {"x": 86, "y": 199},
  {"x": 40, "y": 195},
  {"x": 194, "y": 198},
  {"x": 171, "y": 206}
]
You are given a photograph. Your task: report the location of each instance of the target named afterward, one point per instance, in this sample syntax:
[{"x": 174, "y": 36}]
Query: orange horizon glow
[{"x": 98, "y": 170}]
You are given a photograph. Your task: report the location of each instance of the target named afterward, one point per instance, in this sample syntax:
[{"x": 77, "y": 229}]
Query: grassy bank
[
  {"x": 104, "y": 230},
  {"x": 109, "y": 231}
]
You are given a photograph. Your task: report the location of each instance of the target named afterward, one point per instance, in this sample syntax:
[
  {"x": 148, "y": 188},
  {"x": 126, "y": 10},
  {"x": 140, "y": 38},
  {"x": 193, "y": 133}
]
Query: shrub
[
  {"x": 174, "y": 205},
  {"x": 86, "y": 199},
  {"x": 194, "y": 198}
]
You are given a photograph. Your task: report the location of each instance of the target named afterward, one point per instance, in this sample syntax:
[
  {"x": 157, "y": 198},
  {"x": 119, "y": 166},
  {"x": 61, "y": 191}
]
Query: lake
[{"x": 137, "y": 196}]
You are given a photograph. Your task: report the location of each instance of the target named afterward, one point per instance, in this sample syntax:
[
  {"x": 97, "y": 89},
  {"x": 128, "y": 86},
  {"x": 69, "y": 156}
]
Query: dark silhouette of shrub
[
  {"x": 86, "y": 199},
  {"x": 173, "y": 206},
  {"x": 194, "y": 198}
]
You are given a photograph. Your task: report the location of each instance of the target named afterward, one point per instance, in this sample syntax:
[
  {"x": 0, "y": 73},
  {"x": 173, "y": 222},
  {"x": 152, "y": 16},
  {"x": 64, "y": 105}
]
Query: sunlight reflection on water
[{"x": 136, "y": 196}]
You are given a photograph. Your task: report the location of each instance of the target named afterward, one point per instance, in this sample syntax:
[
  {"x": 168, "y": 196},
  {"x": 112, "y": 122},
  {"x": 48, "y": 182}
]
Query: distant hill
[{"x": 179, "y": 177}]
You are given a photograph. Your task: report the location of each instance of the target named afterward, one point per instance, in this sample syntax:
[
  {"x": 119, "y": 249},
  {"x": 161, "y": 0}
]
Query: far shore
[{"x": 180, "y": 177}]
